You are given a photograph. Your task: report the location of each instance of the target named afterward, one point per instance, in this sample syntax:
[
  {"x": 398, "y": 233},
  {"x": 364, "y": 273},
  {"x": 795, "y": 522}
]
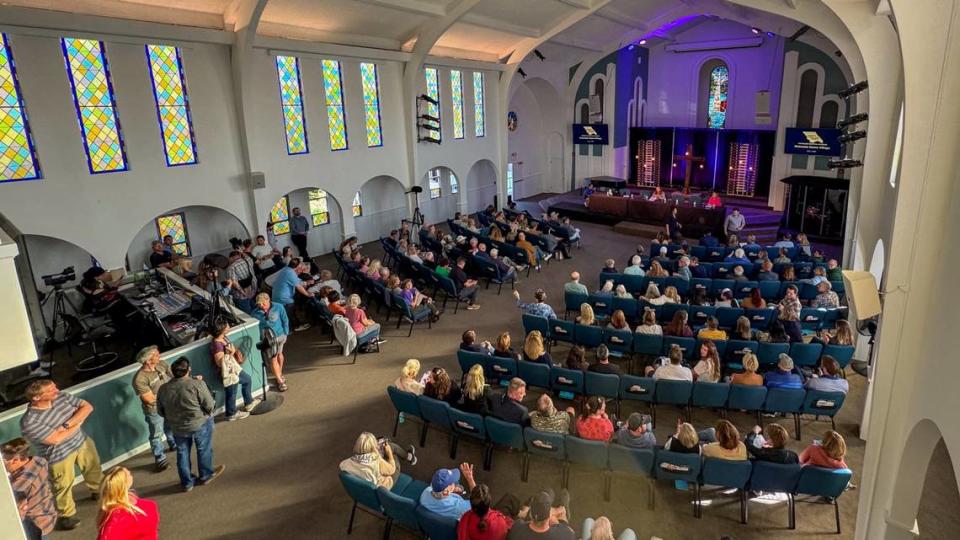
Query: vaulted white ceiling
[{"x": 491, "y": 30}]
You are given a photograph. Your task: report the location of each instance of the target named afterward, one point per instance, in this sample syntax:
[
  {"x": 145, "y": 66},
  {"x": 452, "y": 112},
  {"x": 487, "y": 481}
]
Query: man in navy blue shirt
[{"x": 783, "y": 376}]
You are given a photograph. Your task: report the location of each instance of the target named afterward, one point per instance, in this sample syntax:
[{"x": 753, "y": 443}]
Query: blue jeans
[
  {"x": 373, "y": 329},
  {"x": 160, "y": 435},
  {"x": 203, "y": 438},
  {"x": 244, "y": 304},
  {"x": 230, "y": 393}
]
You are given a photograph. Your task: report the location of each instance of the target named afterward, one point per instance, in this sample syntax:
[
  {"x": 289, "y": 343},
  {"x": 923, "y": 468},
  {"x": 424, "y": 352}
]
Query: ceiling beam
[
  {"x": 289, "y": 31},
  {"x": 419, "y": 7},
  {"x": 575, "y": 43},
  {"x": 440, "y": 55},
  {"x": 503, "y": 26},
  {"x": 618, "y": 16},
  {"x": 579, "y": 4}
]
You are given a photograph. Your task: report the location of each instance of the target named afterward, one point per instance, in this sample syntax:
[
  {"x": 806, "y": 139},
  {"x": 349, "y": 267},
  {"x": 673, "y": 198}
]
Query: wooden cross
[{"x": 690, "y": 159}]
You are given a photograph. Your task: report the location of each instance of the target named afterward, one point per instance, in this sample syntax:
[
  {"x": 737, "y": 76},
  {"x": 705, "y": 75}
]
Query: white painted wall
[
  {"x": 446, "y": 205},
  {"x": 384, "y": 206},
  {"x": 481, "y": 185},
  {"x": 209, "y": 230}
]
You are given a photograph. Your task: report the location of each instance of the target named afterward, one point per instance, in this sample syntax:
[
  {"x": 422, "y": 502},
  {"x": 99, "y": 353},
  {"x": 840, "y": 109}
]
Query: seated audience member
[
  {"x": 728, "y": 445},
  {"x": 593, "y": 423},
  {"x": 707, "y": 369},
  {"x": 678, "y": 326},
  {"x": 842, "y": 335},
  {"x": 733, "y": 241},
  {"x": 784, "y": 241},
  {"x": 440, "y": 386},
  {"x": 658, "y": 195},
  {"x": 30, "y": 481},
  {"x": 327, "y": 280},
  {"x": 767, "y": 273},
  {"x": 774, "y": 334},
  {"x": 539, "y": 307},
  {"x": 263, "y": 255},
  {"x": 653, "y": 296},
  {"x": 574, "y": 285},
  {"x": 361, "y": 324},
  {"x": 726, "y": 299},
  {"x": 475, "y": 392},
  {"x": 782, "y": 257},
  {"x": 373, "y": 270},
  {"x": 712, "y": 330},
  {"x": 671, "y": 295},
  {"x": 547, "y": 519},
  {"x": 348, "y": 247},
  {"x": 683, "y": 268},
  {"x": 468, "y": 342},
  {"x": 547, "y": 418},
  {"x": 466, "y": 286},
  {"x": 673, "y": 371},
  {"x": 419, "y": 303},
  {"x": 375, "y": 460},
  {"x": 159, "y": 257},
  {"x": 586, "y": 316},
  {"x": 602, "y": 529},
  {"x": 749, "y": 376},
  {"x": 637, "y": 432},
  {"x": 742, "y": 329},
  {"x": 634, "y": 269},
  {"x": 828, "y": 452},
  {"x": 609, "y": 267},
  {"x": 697, "y": 270},
  {"x": 621, "y": 292},
  {"x": 335, "y": 305},
  {"x": 784, "y": 376},
  {"x": 738, "y": 256},
  {"x": 803, "y": 244},
  {"x": 502, "y": 348},
  {"x": 123, "y": 515},
  {"x": 685, "y": 440},
  {"x": 819, "y": 275},
  {"x": 649, "y": 325},
  {"x": 603, "y": 364},
  {"x": 657, "y": 270},
  {"x": 286, "y": 255},
  {"x": 788, "y": 273},
  {"x": 533, "y": 252},
  {"x": 773, "y": 448},
  {"x": 408, "y": 381},
  {"x": 738, "y": 274},
  {"x": 698, "y": 297},
  {"x": 826, "y": 298},
  {"x": 790, "y": 314},
  {"x": 618, "y": 321},
  {"x": 606, "y": 289},
  {"x": 482, "y": 521},
  {"x": 663, "y": 256},
  {"x": 829, "y": 379},
  {"x": 534, "y": 351},
  {"x": 365, "y": 264},
  {"x": 576, "y": 359},
  {"x": 754, "y": 301},
  {"x": 834, "y": 272},
  {"x": 444, "y": 496},
  {"x": 508, "y": 406}
]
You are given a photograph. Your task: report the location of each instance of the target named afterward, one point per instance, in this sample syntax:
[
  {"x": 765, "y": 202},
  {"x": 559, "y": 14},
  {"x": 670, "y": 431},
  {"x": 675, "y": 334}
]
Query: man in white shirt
[
  {"x": 263, "y": 254},
  {"x": 674, "y": 371}
]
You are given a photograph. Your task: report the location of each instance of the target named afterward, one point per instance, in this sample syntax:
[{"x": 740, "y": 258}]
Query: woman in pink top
[
  {"x": 828, "y": 453},
  {"x": 358, "y": 319}
]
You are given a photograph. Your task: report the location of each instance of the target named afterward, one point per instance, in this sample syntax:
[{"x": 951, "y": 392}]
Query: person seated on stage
[
  {"x": 714, "y": 201},
  {"x": 737, "y": 256},
  {"x": 589, "y": 190},
  {"x": 766, "y": 272},
  {"x": 634, "y": 269},
  {"x": 784, "y": 241},
  {"x": 539, "y": 308},
  {"x": 697, "y": 270},
  {"x": 621, "y": 292},
  {"x": 658, "y": 195},
  {"x": 782, "y": 257},
  {"x": 834, "y": 272},
  {"x": 726, "y": 299},
  {"x": 738, "y": 274},
  {"x": 678, "y": 326},
  {"x": 683, "y": 268},
  {"x": 160, "y": 257},
  {"x": 826, "y": 298},
  {"x": 657, "y": 270},
  {"x": 788, "y": 273}
]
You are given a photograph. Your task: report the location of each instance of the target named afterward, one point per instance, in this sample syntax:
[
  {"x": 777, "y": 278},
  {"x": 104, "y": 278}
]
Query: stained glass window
[
  {"x": 318, "y": 207},
  {"x": 357, "y": 205},
  {"x": 456, "y": 97},
  {"x": 371, "y": 103},
  {"x": 174, "y": 226},
  {"x": 291, "y": 100},
  {"x": 173, "y": 106},
  {"x": 433, "y": 90},
  {"x": 454, "y": 184},
  {"x": 717, "y": 98},
  {"x": 96, "y": 108},
  {"x": 434, "y": 177},
  {"x": 333, "y": 89},
  {"x": 280, "y": 216},
  {"x": 18, "y": 159},
  {"x": 479, "y": 126},
  {"x": 509, "y": 180}
]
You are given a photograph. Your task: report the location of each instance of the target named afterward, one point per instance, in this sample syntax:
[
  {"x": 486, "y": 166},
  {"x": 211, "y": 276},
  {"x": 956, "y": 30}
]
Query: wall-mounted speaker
[
  {"x": 258, "y": 180},
  {"x": 763, "y": 108}
]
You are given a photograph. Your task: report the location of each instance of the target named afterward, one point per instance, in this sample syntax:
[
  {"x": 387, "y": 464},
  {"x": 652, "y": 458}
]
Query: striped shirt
[
  {"x": 32, "y": 482},
  {"x": 38, "y": 424}
]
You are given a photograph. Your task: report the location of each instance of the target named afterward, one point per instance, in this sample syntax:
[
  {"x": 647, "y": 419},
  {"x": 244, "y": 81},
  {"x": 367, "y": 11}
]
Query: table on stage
[
  {"x": 696, "y": 221},
  {"x": 607, "y": 182}
]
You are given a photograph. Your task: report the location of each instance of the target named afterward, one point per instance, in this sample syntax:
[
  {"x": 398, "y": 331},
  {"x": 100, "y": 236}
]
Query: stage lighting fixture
[
  {"x": 770, "y": 34},
  {"x": 643, "y": 41},
  {"x": 853, "y": 120},
  {"x": 844, "y": 163},
  {"x": 429, "y": 99},
  {"x": 755, "y": 30},
  {"x": 855, "y": 89},
  {"x": 630, "y": 47},
  {"x": 522, "y": 73},
  {"x": 852, "y": 136},
  {"x": 539, "y": 55}
]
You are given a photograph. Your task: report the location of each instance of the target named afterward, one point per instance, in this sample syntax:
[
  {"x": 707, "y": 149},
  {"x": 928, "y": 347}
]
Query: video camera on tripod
[{"x": 55, "y": 280}]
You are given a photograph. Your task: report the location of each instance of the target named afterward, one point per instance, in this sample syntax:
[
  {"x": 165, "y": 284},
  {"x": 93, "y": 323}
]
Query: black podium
[{"x": 817, "y": 206}]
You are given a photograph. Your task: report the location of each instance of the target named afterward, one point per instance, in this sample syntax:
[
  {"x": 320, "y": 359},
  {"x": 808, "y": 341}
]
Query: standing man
[
  {"x": 52, "y": 423},
  {"x": 153, "y": 373},
  {"x": 734, "y": 223},
  {"x": 674, "y": 226},
  {"x": 30, "y": 481},
  {"x": 187, "y": 405},
  {"x": 243, "y": 281},
  {"x": 790, "y": 314},
  {"x": 298, "y": 233},
  {"x": 285, "y": 288}
]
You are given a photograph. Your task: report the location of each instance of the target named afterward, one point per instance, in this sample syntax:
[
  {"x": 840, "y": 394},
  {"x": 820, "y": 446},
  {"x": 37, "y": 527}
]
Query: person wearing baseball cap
[
  {"x": 444, "y": 495},
  {"x": 636, "y": 433},
  {"x": 784, "y": 376},
  {"x": 540, "y": 524}
]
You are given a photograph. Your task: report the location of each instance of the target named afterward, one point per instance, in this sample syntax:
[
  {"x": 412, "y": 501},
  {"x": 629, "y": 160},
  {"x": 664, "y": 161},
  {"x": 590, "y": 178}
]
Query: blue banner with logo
[
  {"x": 812, "y": 141},
  {"x": 591, "y": 134}
]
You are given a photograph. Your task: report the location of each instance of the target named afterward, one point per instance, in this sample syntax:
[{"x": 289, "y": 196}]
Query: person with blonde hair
[
  {"x": 273, "y": 317},
  {"x": 407, "y": 381},
  {"x": 375, "y": 460},
  {"x": 122, "y": 514},
  {"x": 743, "y": 330},
  {"x": 649, "y": 325},
  {"x": 728, "y": 445},
  {"x": 502, "y": 348},
  {"x": 671, "y": 295},
  {"x": 657, "y": 270},
  {"x": 534, "y": 351},
  {"x": 475, "y": 392},
  {"x": 652, "y": 296},
  {"x": 602, "y": 529},
  {"x": 359, "y": 321},
  {"x": 685, "y": 440},
  {"x": 586, "y": 316},
  {"x": 828, "y": 452},
  {"x": 621, "y": 292},
  {"x": 749, "y": 376}
]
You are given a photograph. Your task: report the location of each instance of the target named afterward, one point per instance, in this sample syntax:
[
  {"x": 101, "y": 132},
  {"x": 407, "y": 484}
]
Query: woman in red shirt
[
  {"x": 593, "y": 423},
  {"x": 123, "y": 515},
  {"x": 482, "y": 522}
]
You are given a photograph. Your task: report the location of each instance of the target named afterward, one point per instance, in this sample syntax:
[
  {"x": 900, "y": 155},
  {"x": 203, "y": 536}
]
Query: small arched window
[{"x": 585, "y": 113}]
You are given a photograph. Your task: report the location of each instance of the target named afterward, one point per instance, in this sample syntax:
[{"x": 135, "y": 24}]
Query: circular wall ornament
[{"x": 512, "y": 121}]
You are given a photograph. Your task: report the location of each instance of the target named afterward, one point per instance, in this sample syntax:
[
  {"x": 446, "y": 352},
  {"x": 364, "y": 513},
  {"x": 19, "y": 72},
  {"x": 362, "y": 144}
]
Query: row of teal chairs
[
  {"x": 652, "y": 464},
  {"x": 769, "y": 290},
  {"x": 723, "y": 397},
  {"x": 399, "y": 506}
]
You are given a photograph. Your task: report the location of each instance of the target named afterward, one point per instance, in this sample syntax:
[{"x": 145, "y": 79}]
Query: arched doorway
[
  {"x": 384, "y": 205},
  {"x": 196, "y": 232},
  {"x": 481, "y": 185},
  {"x": 323, "y": 212},
  {"x": 440, "y": 198},
  {"x": 532, "y": 148}
]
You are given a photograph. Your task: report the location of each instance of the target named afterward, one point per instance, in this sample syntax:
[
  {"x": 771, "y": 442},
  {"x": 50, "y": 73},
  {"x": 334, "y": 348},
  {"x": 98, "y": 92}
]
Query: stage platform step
[{"x": 637, "y": 229}]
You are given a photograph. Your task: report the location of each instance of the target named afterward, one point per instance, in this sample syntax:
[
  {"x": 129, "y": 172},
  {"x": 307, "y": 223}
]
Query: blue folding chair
[
  {"x": 589, "y": 336},
  {"x": 822, "y": 482},
  {"x": 700, "y": 314},
  {"x": 468, "y": 359},
  {"x": 728, "y": 474},
  {"x": 759, "y": 318},
  {"x": 633, "y": 284},
  {"x": 768, "y": 354},
  {"x": 436, "y": 413},
  {"x": 709, "y": 395},
  {"x": 604, "y": 385},
  {"x": 406, "y": 405},
  {"x": 687, "y": 345},
  {"x": 667, "y": 311},
  {"x": 548, "y": 445},
  {"x": 628, "y": 306},
  {"x": 561, "y": 330},
  {"x": 501, "y": 369},
  {"x": 727, "y": 316},
  {"x": 619, "y": 342},
  {"x": 436, "y": 526},
  {"x": 808, "y": 291},
  {"x": 648, "y": 344},
  {"x": 672, "y": 393},
  {"x": 591, "y": 454},
  {"x": 720, "y": 284},
  {"x": 785, "y": 400},
  {"x": 682, "y": 285},
  {"x": 399, "y": 510},
  {"x": 624, "y": 460},
  {"x": 535, "y": 322},
  {"x": 820, "y": 403},
  {"x": 673, "y": 466},
  {"x": 468, "y": 425},
  {"x": 407, "y": 314},
  {"x": 811, "y": 319},
  {"x": 633, "y": 388},
  {"x": 843, "y": 354},
  {"x": 364, "y": 495},
  {"x": 747, "y": 398},
  {"x": 743, "y": 288},
  {"x": 776, "y": 478},
  {"x": 534, "y": 374},
  {"x": 572, "y": 301},
  {"x": 567, "y": 382},
  {"x": 736, "y": 348},
  {"x": 805, "y": 354},
  {"x": 506, "y": 434},
  {"x": 769, "y": 290},
  {"x": 601, "y": 304},
  {"x": 706, "y": 284}
]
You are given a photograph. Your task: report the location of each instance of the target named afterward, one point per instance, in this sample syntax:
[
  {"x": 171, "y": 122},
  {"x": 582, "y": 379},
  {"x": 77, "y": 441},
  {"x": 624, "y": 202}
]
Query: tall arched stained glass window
[
  {"x": 18, "y": 159},
  {"x": 291, "y": 99},
  {"x": 456, "y": 98},
  {"x": 173, "y": 106},
  {"x": 371, "y": 103},
  {"x": 433, "y": 90},
  {"x": 717, "y": 97},
  {"x": 333, "y": 89}
]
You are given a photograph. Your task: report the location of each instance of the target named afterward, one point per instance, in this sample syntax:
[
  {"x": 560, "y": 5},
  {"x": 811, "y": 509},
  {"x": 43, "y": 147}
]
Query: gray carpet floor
[{"x": 281, "y": 468}]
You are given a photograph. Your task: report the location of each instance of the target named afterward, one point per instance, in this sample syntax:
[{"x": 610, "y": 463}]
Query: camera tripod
[{"x": 60, "y": 303}]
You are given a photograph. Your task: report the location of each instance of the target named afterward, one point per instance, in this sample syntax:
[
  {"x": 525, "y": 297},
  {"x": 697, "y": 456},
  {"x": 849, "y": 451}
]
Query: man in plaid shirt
[
  {"x": 30, "y": 481},
  {"x": 540, "y": 307},
  {"x": 790, "y": 314}
]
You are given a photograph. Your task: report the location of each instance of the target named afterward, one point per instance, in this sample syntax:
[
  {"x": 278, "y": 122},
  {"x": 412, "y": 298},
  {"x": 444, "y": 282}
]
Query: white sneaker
[
  {"x": 253, "y": 404},
  {"x": 302, "y": 327},
  {"x": 39, "y": 373},
  {"x": 239, "y": 415}
]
